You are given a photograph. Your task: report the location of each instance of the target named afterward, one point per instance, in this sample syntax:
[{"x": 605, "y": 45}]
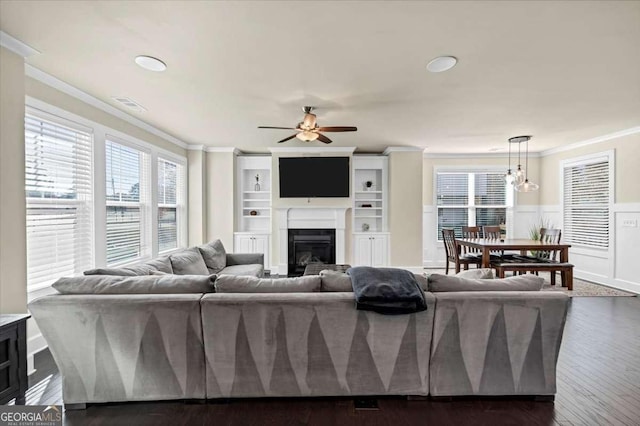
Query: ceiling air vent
[{"x": 129, "y": 103}]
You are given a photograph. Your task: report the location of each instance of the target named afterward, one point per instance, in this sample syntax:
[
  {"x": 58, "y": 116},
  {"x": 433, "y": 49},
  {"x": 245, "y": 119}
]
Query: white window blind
[
  {"x": 58, "y": 170},
  {"x": 586, "y": 204},
  {"x": 171, "y": 193},
  {"x": 127, "y": 177},
  {"x": 470, "y": 199}
]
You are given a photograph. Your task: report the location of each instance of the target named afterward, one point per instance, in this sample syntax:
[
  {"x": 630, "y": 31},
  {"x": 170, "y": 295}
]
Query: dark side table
[{"x": 13, "y": 357}]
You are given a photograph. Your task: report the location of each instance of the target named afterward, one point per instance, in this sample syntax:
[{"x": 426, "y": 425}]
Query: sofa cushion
[
  {"x": 246, "y": 284},
  {"x": 188, "y": 262},
  {"x": 445, "y": 283},
  {"x": 128, "y": 271},
  {"x": 252, "y": 270},
  {"x": 146, "y": 284},
  {"x": 481, "y": 273},
  {"x": 335, "y": 281},
  {"x": 214, "y": 255}
]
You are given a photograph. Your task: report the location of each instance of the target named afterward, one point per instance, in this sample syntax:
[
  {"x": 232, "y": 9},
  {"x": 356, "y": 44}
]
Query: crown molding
[
  {"x": 391, "y": 149},
  {"x": 478, "y": 155},
  {"x": 313, "y": 149},
  {"x": 17, "y": 46},
  {"x": 73, "y": 91},
  {"x": 598, "y": 139},
  {"x": 229, "y": 149},
  {"x": 195, "y": 147}
]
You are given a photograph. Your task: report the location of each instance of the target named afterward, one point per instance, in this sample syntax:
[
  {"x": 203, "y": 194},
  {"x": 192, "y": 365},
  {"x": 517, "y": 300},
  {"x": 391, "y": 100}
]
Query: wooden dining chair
[
  {"x": 547, "y": 235},
  {"x": 453, "y": 252},
  {"x": 491, "y": 232},
  {"x": 471, "y": 232}
]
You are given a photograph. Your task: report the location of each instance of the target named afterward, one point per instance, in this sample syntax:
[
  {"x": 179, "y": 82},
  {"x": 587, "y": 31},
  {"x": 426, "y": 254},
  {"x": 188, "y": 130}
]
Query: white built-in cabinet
[
  {"x": 253, "y": 206},
  {"x": 253, "y": 243},
  {"x": 371, "y": 249},
  {"x": 370, "y": 213}
]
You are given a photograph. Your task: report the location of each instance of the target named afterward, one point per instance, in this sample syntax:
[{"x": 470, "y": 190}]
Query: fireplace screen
[{"x": 310, "y": 246}]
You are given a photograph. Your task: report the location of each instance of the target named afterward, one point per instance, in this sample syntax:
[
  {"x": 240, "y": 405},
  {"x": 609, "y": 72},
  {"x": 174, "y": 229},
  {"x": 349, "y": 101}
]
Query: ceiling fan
[{"x": 308, "y": 129}]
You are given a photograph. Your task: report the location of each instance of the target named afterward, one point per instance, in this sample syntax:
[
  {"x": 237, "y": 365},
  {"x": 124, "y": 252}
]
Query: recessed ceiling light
[
  {"x": 150, "y": 63},
  {"x": 442, "y": 63}
]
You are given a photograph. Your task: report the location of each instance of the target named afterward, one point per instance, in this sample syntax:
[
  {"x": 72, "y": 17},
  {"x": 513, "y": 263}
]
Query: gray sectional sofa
[{"x": 225, "y": 337}]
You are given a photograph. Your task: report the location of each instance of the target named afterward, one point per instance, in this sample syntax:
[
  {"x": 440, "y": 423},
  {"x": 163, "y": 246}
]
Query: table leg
[{"x": 486, "y": 258}]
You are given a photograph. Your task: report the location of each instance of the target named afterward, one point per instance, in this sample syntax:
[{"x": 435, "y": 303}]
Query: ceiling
[{"x": 563, "y": 72}]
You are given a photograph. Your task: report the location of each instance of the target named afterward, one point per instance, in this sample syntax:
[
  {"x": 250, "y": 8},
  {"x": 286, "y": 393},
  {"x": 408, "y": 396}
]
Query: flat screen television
[{"x": 310, "y": 177}]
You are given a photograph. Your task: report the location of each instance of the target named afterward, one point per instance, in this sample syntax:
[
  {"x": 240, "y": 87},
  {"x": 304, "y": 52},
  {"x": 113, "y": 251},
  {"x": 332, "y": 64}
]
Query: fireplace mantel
[{"x": 310, "y": 218}]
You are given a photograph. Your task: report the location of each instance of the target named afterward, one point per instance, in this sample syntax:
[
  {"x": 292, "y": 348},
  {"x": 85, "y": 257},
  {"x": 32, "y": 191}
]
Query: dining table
[{"x": 487, "y": 245}]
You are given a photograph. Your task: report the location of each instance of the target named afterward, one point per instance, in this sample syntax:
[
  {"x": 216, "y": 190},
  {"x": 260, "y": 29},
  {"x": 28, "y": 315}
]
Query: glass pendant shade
[
  {"x": 307, "y": 136},
  {"x": 527, "y": 186},
  {"x": 509, "y": 178},
  {"x": 519, "y": 175}
]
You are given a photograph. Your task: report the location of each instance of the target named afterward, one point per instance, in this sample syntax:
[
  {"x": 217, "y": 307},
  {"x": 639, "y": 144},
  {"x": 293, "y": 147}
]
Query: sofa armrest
[{"x": 245, "y": 259}]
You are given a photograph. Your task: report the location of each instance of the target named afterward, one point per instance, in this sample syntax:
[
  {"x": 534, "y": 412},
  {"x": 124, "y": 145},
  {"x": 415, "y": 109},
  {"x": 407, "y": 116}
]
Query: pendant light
[
  {"x": 524, "y": 185},
  {"x": 509, "y": 178},
  {"x": 519, "y": 176}
]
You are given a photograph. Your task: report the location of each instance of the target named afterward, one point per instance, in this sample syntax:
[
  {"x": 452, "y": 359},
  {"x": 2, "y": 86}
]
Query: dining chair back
[
  {"x": 453, "y": 253},
  {"x": 491, "y": 232},
  {"x": 551, "y": 236}
]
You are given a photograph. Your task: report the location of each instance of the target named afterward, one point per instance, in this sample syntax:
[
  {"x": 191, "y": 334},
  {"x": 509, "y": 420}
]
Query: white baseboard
[{"x": 609, "y": 282}]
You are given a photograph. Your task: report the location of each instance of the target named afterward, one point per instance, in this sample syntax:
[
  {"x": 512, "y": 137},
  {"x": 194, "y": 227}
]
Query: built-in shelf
[
  {"x": 248, "y": 198},
  {"x": 368, "y": 208},
  {"x": 256, "y": 192},
  {"x": 368, "y": 192}
]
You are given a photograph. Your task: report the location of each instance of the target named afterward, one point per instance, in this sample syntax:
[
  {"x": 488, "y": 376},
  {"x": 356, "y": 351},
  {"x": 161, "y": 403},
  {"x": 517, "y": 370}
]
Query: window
[
  {"x": 586, "y": 199},
  {"x": 170, "y": 201},
  {"x": 127, "y": 203},
  {"x": 470, "y": 199},
  {"x": 58, "y": 172}
]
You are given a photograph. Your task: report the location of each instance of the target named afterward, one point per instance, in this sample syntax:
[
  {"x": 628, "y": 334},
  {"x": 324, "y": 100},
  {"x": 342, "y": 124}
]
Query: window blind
[
  {"x": 58, "y": 179},
  {"x": 586, "y": 204},
  {"x": 470, "y": 199},
  {"x": 170, "y": 200},
  {"x": 126, "y": 202}
]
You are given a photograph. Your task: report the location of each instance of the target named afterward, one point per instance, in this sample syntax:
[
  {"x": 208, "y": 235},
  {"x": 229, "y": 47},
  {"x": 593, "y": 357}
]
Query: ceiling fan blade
[
  {"x": 338, "y": 129},
  {"x": 270, "y": 127},
  {"x": 323, "y": 138},
  {"x": 286, "y": 139}
]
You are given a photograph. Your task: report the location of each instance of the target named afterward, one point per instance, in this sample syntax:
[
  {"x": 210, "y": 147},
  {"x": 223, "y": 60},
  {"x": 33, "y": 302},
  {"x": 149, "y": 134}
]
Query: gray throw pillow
[
  {"x": 481, "y": 273},
  {"x": 445, "y": 283},
  {"x": 147, "y": 284},
  {"x": 129, "y": 271},
  {"x": 214, "y": 255},
  {"x": 162, "y": 264},
  {"x": 335, "y": 281},
  {"x": 247, "y": 284},
  {"x": 188, "y": 262}
]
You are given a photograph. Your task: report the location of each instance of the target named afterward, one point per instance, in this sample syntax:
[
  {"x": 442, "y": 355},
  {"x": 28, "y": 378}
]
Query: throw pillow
[
  {"x": 247, "y": 284},
  {"x": 162, "y": 264},
  {"x": 188, "y": 262},
  {"x": 214, "y": 255},
  {"x": 481, "y": 273},
  {"x": 444, "y": 283},
  {"x": 335, "y": 281},
  {"x": 148, "y": 284}
]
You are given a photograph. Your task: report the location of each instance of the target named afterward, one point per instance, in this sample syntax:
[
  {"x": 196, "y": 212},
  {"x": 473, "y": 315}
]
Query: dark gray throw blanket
[{"x": 386, "y": 290}]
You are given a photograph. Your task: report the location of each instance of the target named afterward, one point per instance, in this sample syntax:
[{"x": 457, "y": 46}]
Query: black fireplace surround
[{"x": 310, "y": 246}]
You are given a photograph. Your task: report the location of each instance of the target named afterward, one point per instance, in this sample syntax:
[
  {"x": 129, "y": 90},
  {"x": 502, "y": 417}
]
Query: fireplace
[{"x": 310, "y": 246}]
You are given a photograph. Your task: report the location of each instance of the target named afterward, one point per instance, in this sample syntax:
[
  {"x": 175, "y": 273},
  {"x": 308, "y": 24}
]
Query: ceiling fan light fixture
[
  {"x": 150, "y": 63},
  {"x": 307, "y": 136},
  {"x": 442, "y": 63}
]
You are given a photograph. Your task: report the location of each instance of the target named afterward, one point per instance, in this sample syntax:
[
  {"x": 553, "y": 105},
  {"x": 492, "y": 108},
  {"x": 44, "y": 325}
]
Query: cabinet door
[
  {"x": 243, "y": 244},
  {"x": 261, "y": 245},
  {"x": 379, "y": 250},
  {"x": 362, "y": 255}
]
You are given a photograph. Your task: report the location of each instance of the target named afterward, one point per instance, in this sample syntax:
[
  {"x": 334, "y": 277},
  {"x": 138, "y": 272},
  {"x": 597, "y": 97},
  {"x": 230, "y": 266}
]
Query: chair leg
[
  {"x": 553, "y": 277},
  {"x": 457, "y": 267},
  {"x": 466, "y": 266},
  {"x": 446, "y": 269},
  {"x": 500, "y": 272},
  {"x": 570, "y": 279}
]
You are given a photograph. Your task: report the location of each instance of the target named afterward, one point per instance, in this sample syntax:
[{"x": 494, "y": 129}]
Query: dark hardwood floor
[{"x": 598, "y": 384}]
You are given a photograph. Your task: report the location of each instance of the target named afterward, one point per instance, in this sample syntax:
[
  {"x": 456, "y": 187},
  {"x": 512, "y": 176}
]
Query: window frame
[
  {"x": 609, "y": 156},
  {"x": 100, "y": 132},
  {"x": 38, "y": 113},
  {"x": 471, "y": 206},
  {"x": 180, "y": 206}
]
